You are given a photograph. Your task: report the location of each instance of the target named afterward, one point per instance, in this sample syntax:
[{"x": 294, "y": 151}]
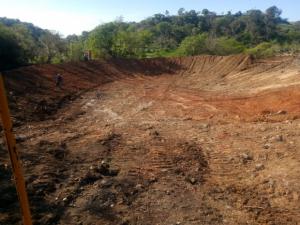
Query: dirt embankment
[
  {"x": 261, "y": 86},
  {"x": 33, "y": 95}
]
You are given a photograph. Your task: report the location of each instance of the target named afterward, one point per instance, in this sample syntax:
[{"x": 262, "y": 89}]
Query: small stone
[
  {"x": 139, "y": 187},
  {"x": 106, "y": 183},
  {"x": 271, "y": 183},
  {"x": 263, "y": 129},
  {"x": 205, "y": 125},
  {"x": 279, "y": 138},
  {"x": 65, "y": 199},
  {"x": 281, "y": 112},
  {"x": 246, "y": 156},
  {"x": 259, "y": 166},
  {"x": 192, "y": 180},
  {"x": 103, "y": 182},
  {"x": 267, "y": 146}
]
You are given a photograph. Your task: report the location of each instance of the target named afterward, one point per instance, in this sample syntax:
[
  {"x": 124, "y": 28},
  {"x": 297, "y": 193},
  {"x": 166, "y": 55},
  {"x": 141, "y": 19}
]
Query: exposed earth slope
[{"x": 196, "y": 140}]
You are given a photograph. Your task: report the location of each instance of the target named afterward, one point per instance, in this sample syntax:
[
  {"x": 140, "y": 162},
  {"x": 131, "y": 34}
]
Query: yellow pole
[{"x": 14, "y": 158}]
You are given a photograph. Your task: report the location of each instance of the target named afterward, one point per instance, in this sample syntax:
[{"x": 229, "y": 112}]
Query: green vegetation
[
  {"x": 258, "y": 33},
  {"x": 23, "y": 44},
  {"x": 203, "y": 44}
]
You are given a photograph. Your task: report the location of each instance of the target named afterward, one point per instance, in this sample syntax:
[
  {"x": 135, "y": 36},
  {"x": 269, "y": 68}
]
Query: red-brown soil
[{"x": 196, "y": 140}]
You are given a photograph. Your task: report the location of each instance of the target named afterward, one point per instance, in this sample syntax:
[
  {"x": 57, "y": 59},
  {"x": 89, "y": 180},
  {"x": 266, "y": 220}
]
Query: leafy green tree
[
  {"x": 76, "y": 51},
  {"x": 34, "y": 45},
  {"x": 10, "y": 50},
  {"x": 27, "y": 42},
  {"x": 255, "y": 21},
  {"x": 272, "y": 17},
  {"x": 131, "y": 44},
  {"x": 100, "y": 40},
  {"x": 54, "y": 48},
  {"x": 193, "y": 45}
]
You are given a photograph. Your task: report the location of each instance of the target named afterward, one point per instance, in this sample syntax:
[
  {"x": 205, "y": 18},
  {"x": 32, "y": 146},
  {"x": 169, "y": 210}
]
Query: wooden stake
[{"x": 13, "y": 154}]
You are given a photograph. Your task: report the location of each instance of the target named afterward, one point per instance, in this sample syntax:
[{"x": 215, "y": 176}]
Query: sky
[{"x": 74, "y": 16}]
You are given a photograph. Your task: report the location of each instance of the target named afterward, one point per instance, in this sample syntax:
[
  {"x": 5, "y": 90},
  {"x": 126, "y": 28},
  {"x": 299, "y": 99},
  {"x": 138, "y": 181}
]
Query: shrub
[
  {"x": 262, "y": 50},
  {"x": 193, "y": 45},
  {"x": 228, "y": 46}
]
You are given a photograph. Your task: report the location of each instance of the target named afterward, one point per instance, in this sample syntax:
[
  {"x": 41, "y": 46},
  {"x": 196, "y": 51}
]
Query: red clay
[{"x": 196, "y": 140}]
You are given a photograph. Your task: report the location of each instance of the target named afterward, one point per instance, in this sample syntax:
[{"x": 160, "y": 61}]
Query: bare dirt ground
[{"x": 200, "y": 140}]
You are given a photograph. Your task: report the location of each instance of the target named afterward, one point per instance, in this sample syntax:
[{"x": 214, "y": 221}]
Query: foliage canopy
[{"x": 187, "y": 33}]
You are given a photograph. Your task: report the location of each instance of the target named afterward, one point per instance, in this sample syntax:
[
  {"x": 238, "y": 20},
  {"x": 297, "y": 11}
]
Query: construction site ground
[{"x": 196, "y": 140}]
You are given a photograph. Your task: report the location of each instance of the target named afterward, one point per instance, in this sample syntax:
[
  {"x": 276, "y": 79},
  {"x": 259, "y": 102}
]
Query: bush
[
  {"x": 193, "y": 45},
  {"x": 262, "y": 50},
  {"x": 203, "y": 44},
  {"x": 292, "y": 48},
  {"x": 228, "y": 46}
]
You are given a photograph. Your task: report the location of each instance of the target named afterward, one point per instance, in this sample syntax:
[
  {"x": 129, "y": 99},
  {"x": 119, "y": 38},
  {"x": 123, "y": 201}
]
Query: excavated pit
[{"x": 194, "y": 140}]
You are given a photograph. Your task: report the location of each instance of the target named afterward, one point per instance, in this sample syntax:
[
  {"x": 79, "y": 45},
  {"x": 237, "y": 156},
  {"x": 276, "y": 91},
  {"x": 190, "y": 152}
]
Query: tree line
[{"x": 161, "y": 35}]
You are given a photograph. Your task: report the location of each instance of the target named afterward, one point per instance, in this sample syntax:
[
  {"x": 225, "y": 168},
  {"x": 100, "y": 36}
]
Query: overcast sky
[{"x": 74, "y": 16}]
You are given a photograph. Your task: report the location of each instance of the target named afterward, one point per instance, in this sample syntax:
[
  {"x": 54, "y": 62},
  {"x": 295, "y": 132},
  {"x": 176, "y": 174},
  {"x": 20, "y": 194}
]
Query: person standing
[{"x": 58, "y": 81}]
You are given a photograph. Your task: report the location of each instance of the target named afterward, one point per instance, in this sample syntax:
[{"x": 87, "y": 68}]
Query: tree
[
  {"x": 128, "y": 44},
  {"x": 53, "y": 48},
  {"x": 34, "y": 45},
  {"x": 193, "y": 45},
  {"x": 181, "y": 11},
  {"x": 273, "y": 13},
  {"x": 27, "y": 42},
  {"x": 10, "y": 50},
  {"x": 255, "y": 25},
  {"x": 76, "y": 50},
  {"x": 100, "y": 40}
]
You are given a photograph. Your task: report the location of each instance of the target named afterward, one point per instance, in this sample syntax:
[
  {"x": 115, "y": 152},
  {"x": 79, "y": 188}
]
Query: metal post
[{"x": 14, "y": 158}]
